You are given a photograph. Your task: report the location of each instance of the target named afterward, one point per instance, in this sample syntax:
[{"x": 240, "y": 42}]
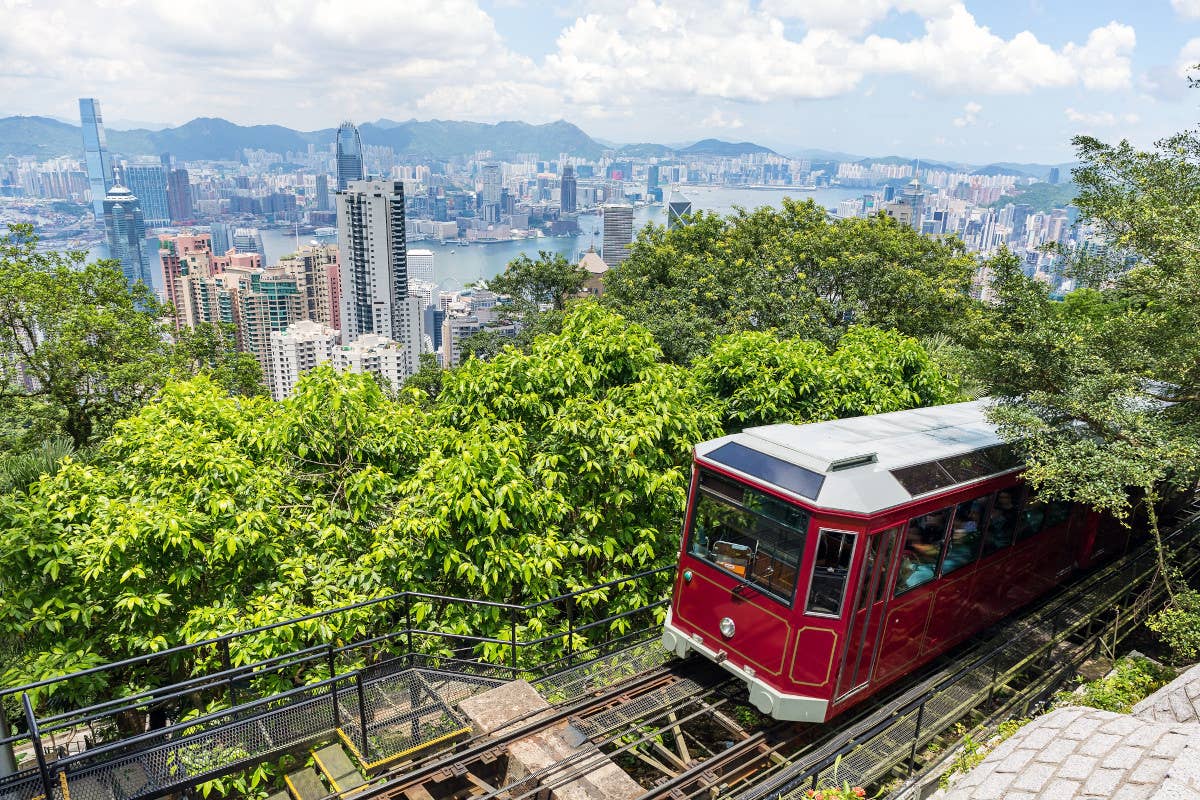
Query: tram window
[
  {"x": 966, "y": 533},
  {"x": 1002, "y": 522},
  {"x": 1057, "y": 512},
  {"x": 749, "y": 534},
  {"x": 835, "y": 550},
  {"x": 922, "y": 549},
  {"x": 1032, "y": 518}
]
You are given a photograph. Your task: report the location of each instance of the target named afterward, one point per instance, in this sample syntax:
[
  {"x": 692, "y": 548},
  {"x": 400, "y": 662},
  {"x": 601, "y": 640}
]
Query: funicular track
[
  {"x": 1013, "y": 667},
  {"x": 636, "y": 706}
]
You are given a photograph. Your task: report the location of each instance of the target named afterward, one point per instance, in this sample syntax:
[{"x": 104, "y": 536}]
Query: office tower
[
  {"x": 1020, "y": 217},
  {"x": 127, "y": 234},
  {"x": 148, "y": 182},
  {"x": 222, "y": 237},
  {"x": 303, "y": 346},
  {"x": 420, "y": 265},
  {"x": 315, "y": 268},
  {"x": 914, "y": 198},
  {"x": 567, "y": 196},
  {"x": 95, "y": 154},
  {"x": 618, "y": 233},
  {"x": 248, "y": 240},
  {"x": 374, "y": 267},
  {"x": 349, "y": 155},
  {"x": 179, "y": 195},
  {"x": 678, "y": 207},
  {"x": 651, "y": 177},
  {"x": 1053, "y": 178},
  {"x": 166, "y": 161},
  {"x": 492, "y": 182},
  {"x": 322, "y": 192}
]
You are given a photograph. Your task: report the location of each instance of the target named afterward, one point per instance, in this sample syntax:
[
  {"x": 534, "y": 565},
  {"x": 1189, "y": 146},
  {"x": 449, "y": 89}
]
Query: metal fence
[{"x": 387, "y": 692}]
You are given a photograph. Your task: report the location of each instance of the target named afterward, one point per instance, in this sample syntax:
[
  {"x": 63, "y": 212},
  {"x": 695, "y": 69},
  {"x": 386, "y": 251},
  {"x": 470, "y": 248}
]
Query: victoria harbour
[{"x": 457, "y": 265}]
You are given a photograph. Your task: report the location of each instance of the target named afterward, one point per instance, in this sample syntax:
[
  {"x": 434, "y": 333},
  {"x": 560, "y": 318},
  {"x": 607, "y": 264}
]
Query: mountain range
[{"x": 212, "y": 138}]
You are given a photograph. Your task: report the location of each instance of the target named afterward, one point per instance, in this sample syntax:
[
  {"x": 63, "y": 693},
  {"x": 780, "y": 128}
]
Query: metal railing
[{"x": 326, "y": 683}]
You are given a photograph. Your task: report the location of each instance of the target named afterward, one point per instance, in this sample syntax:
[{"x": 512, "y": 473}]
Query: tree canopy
[
  {"x": 788, "y": 270},
  {"x": 526, "y": 476}
]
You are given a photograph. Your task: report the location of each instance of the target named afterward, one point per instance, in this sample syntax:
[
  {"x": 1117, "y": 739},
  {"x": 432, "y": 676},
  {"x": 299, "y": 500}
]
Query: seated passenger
[
  {"x": 962, "y": 548},
  {"x": 1000, "y": 524}
]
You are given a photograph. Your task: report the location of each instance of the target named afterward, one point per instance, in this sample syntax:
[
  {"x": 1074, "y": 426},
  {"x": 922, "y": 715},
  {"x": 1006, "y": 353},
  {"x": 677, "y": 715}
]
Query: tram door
[{"x": 858, "y": 658}]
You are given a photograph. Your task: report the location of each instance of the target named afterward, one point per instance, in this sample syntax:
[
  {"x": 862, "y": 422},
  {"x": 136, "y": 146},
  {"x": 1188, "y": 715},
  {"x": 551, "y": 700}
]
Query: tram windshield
[{"x": 748, "y": 533}]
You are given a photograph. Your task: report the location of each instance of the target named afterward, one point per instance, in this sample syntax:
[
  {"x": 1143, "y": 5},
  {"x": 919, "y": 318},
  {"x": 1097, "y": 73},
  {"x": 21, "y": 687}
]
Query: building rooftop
[{"x": 593, "y": 263}]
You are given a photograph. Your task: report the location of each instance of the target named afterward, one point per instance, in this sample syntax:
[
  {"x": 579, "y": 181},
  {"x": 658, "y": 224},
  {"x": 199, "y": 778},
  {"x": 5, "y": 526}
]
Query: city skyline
[{"x": 937, "y": 77}]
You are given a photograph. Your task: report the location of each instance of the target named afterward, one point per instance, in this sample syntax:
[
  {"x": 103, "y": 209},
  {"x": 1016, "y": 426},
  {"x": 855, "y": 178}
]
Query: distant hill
[
  {"x": 716, "y": 147},
  {"x": 646, "y": 150},
  {"x": 209, "y": 138},
  {"x": 1042, "y": 197}
]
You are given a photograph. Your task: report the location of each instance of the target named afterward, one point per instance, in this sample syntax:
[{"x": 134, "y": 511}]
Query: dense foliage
[
  {"x": 792, "y": 271},
  {"x": 524, "y": 477}
]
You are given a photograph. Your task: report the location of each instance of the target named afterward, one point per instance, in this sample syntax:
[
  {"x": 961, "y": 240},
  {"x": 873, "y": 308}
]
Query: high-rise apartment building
[
  {"x": 126, "y": 232},
  {"x": 378, "y": 355},
  {"x": 618, "y": 233},
  {"x": 301, "y": 347},
  {"x": 374, "y": 267},
  {"x": 315, "y": 268},
  {"x": 149, "y": 183},
  {"x": 349, "y": 155},
  {"x": 95, "y": 154},
  {"x": 179, "y": 195},
  {"x": 567, "y": 193}
]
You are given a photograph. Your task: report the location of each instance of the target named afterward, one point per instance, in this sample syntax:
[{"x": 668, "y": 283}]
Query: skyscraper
[
  {"x": 148, "y": 182},
  {"x": 492, "y": 183},
  {"x": 618, "y": 233},
  {"x": 374, "y": 267},
  {"x": 95, "y": 153},
  {"x": 567, "y": 197},
  {"x": 652, "y": 176},
  {"x": 222, "y": 238},
  {"x": 248, "y": 240},
  {"x": 349, "y": 155},
  {"x": 678, "y": 207},
  {"x": 322, "y": 191},
  {"x": 127, "y": 234},
  {"x": 179, "y": 195}
]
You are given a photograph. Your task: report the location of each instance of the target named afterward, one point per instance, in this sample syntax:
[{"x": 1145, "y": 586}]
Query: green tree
[
  {"x": 212, "y": 349},
  {"x": 792, "y": 271},
  {"x": 79, "y": 349},
  {"x": 546, "y": 281}
]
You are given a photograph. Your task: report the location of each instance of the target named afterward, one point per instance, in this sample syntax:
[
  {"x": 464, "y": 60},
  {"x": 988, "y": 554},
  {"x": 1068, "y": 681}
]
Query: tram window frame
[
  {"x": 1025, "y": 528},
  {"x": 790, "y": 537},
  {"x": 902, "y": 587},
  {"x": 1018, "y": 504},
  {"x": 841, "y": 572},
  {"x": 980, "y": 531}
]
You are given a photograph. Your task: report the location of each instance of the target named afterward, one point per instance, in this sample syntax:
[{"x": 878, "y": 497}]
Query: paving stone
[
  {"x": 1186, "y": 767},
  {"x": 1077, "y": 767},
  {"x": 1124, "y": 757},
  {"x": 1150, "y": 770},
  {"x": 1103, "y": 782},
  {"x": 1058, "y": 750},
  {"x": 1171, "y": 744},
  {"x": 1083, "y": 727},
  {"x": 1034, "y": 777},
  {"x": 1175, "y": 790},
  {"x": 1042, "y": 737},
  {"x": 1099, "y": 743},
  {"x": 1061, "y": 787},
  {"x": 1121, "y": 726},
  {"x": 1016, "y": 761}
]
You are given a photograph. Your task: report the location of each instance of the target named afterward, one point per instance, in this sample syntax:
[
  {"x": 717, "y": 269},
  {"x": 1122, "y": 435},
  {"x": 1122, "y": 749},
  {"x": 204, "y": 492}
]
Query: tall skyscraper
[
  {"x": 149, "y": 183},
  {"x": 374, "y": 267},
  {"x": 95, "y": 154},
  {"x": 248, "y": 240},
  {"x": 914, "y": 198},
  {"x": 567, "y": 198},
  {"x": 222, "y": 237},
  {"x": 349, "y": 156},
  {"x": 127, "y": 234},
  {"x": 678, "y": 207},
  {"x": 179, "y": 195},
  {"x": 322, "y": 192},
  {"x": 652, "y": 177},
  {"x": 618, "y": 233}
]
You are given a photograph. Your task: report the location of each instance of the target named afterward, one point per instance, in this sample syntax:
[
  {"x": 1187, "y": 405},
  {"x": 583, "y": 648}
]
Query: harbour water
[{"x": 455, "y": 266}]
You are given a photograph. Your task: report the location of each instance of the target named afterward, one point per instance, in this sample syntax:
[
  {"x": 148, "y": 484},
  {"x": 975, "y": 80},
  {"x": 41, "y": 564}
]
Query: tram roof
[{"x": 872, "y": 463}]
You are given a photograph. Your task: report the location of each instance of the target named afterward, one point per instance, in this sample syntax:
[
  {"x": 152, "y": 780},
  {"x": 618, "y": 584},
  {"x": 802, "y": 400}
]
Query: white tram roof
[{"x": 869, "y": 464}]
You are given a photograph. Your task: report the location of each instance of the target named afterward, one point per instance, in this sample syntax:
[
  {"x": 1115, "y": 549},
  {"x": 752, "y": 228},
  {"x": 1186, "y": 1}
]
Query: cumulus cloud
[
  {"x": 970, "y": 112},
  {"x": 1186, "y": 8},
  {"x": 717, "y": 119},
  {"x": 1100, "y": 119},
  {"x": 852, "y": 16}
]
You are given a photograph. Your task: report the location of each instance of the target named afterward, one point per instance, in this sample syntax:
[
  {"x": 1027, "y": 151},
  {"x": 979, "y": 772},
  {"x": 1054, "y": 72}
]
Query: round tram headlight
[
  {"x": 727, "y": 627},
  {"x": 687, "y": 576}
]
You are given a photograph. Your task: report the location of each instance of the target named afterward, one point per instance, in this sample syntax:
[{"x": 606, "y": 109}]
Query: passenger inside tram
[{"x": 922, "y": 548}]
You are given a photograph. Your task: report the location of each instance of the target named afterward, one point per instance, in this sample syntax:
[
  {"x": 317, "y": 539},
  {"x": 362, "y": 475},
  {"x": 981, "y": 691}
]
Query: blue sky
[{"x": 942, "y": 79}]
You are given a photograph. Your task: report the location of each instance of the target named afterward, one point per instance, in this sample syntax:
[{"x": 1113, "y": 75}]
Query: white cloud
[
  {"x": 970, "y": 112},
  {"x": 851, "y": 16},
  {"x": 1100, "y": 119},
  {"x": 717, "y": 119},
  {"x": 1186, "y": 8}
]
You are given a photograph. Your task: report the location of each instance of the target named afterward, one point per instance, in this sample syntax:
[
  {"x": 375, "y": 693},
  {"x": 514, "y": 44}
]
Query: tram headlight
[{"x": 727, "y": 627}]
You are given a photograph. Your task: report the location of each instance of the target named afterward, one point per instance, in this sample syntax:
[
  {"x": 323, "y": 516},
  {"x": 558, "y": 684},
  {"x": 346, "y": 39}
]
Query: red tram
[{"x": 822, "y": 562}]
